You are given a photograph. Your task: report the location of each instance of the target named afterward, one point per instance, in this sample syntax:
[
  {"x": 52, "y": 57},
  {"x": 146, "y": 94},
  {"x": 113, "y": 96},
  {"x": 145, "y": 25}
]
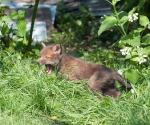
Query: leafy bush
[
  {"x": 75, "y": 29},
  {"x": 134, "y": 42},
  {"x": 14, "y": 39}
]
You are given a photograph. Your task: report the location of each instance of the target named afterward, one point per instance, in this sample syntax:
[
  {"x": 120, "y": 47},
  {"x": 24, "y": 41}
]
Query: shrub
[{"x": 134, "y": 41}]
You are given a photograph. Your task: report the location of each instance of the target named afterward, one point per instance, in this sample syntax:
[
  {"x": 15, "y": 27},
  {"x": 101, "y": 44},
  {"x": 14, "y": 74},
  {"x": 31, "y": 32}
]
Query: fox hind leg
[
  {"x": 105, "y": 87},
  {"x": 113, "y": 92}
]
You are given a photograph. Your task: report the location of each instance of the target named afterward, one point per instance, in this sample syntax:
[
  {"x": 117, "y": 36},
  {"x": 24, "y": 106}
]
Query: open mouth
[{"x": 49, "y": 68}]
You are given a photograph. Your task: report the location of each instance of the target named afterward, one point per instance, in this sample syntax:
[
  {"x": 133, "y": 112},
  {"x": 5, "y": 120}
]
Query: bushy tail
[{"x": 120, "y": 79}]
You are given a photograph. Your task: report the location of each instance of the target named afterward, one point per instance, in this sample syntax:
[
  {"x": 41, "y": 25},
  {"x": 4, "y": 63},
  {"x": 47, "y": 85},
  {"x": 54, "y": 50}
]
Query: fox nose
[{"x": 39, "y": 62}]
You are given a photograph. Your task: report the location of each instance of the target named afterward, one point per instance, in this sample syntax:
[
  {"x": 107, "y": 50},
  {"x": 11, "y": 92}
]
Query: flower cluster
[
  {"x": 125, "y": 51},
  {"x": 141, "y": 59},
  {"x": 133, "y": 17}
]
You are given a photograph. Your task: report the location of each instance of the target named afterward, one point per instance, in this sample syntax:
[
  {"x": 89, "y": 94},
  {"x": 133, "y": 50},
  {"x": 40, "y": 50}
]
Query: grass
[{"x": 28, "y": 96}]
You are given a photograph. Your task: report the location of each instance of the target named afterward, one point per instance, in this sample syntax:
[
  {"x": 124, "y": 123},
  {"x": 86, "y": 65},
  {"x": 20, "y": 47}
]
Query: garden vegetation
[{"x": 120, "y": 41}]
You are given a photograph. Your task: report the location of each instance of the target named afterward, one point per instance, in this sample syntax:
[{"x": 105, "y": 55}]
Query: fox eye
[{"x": 47, "y": 57}]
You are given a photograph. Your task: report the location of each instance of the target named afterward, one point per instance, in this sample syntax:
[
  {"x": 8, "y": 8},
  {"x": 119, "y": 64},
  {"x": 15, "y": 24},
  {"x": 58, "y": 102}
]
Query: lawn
[{"x": 28, "y": 96}]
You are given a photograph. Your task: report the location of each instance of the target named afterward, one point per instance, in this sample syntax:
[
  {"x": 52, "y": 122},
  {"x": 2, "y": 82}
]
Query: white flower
[
  {"x": 144, "y": 55},
  {"x": 125, "y": 51},
  {"x": 130, "y": 18},
  {"x": 132, "y": 91},
  {"x": 120, "y": 71},
  {"x": 133, "y": 17},
  {"x": 141, "y": 59},
  {"x": 148, "y": 27}
]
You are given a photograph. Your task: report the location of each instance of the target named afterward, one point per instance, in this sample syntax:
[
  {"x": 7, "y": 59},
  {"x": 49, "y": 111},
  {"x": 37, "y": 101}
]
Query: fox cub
[{"x": 101, "y": 79}]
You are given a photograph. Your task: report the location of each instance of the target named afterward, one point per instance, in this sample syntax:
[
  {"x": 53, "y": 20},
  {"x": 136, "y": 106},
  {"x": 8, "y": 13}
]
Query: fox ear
[
  {"x": 43, "y": 44},
  {"x": 57, "y": 49}
]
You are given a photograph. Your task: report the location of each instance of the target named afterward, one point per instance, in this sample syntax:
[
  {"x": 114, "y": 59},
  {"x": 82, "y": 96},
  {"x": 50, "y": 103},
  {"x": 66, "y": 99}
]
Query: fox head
[{"x": 50, "y": 56}]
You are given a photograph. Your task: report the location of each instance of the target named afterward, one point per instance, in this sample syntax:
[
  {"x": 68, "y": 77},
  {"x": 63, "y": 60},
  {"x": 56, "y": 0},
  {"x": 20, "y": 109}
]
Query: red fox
[{"x": 101, "y": 79}]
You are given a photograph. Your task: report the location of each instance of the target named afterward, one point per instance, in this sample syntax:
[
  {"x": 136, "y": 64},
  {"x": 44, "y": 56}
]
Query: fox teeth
[{"x": 48, "y": 69}]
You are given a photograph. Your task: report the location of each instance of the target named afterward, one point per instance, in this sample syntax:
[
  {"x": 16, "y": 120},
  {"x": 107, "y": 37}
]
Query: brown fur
[{"x": 101, "y": 78}]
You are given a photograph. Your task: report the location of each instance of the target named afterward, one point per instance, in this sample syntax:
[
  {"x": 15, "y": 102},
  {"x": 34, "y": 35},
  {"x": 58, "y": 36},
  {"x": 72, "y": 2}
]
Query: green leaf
[
  {"x": 21, "y": 26},
  {"x": 133, "y": 10},
  {"x": 123, "y": 17},
  {"x": 145, "y": 51},
  {"x": 79, "y": 22},
  {"x": 14, "y": 15},
  {"x": 132, "y": 39},
  {"x": 25, "y": 40},
  {"x": 132, "y": 75},
  {"x": 107, "y": 23},
  {"x": 20, "y": 40},
  {"x": 21, "y": 14},
  {"x": 4, "y": 7},
  {"x": 18, "y": 33},
  {"x": 83, "y": 9},
  {"x": 141, "y": 3},
  {"x": 115, "y": 1},
  {"x": 6, "y": 19},
  {"x": 128, "y": 56},
  {"x": 144, "y": 21},
  {"x": 5, "y": 29},
  {"x": 36, "y": 51},
  {"x": 146, "y": 39},
  {"x": 1, "y": 21}
]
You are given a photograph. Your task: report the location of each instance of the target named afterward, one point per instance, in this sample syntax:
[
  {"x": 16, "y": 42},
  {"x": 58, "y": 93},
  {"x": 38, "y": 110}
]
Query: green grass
[{"x": 30, "y": 97}]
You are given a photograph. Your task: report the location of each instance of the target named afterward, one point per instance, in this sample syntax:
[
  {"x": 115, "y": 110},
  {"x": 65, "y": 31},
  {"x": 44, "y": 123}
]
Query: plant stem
[
  {"x": 127, "y": 27},
  {"x": 118, "y": 27},
  {"x": 32, "y": 25},
  {"x": 123, "y": 30},
  {"x": 121, "y": 26}
]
